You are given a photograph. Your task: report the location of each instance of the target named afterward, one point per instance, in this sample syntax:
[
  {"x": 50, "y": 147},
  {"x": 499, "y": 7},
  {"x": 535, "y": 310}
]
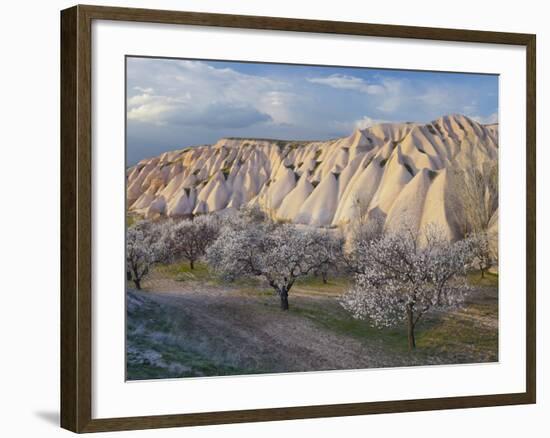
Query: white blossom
[
  {"x": 141, "y": 250},
  {"x": 188, "y": 239},
  {"x": 278, "y": 253},
  {"x": 483, "y": 249},
  {"x": 399, "y": 280}
]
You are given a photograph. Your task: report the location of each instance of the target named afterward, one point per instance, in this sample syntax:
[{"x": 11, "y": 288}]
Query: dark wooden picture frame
[{"x": 76, "y": 217}]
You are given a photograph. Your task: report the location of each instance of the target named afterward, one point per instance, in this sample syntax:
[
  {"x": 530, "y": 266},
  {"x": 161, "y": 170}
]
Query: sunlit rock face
[{"x": 396, "y": 170}]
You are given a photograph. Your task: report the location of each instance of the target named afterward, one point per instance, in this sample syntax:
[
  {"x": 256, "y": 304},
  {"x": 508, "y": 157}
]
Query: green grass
[
  {"x": 454, "y": 337},
  {"x": 313, "y": 285},
  {"x": 341, "y": 322},
  {"x": 462, "y": 334},
  {"x": 173, "y": 362},
  {"x": 330, "y": 315},
  {"x": 154, "y": 350},
  {"x": 131, "y": 219},
  {"x": 182, "y": 271},
  {"x": 489, "y": 279}
]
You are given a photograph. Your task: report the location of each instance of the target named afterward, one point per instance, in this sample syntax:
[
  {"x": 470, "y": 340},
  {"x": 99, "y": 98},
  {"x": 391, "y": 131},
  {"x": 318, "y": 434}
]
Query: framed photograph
[{"x": 270, "y": 218}]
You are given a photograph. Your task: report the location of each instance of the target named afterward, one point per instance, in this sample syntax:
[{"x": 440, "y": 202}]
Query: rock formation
[{"x": 396, "y": 170}]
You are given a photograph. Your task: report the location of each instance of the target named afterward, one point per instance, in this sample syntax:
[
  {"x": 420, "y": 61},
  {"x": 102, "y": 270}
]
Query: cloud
[
  {"x": 155, "y": 109},
  {"x": 486, "y": 120},
  {"x": 174, "y": 103},
  {"x": 388, "y": 94},
  {"x": 282, "y": 106},
  {"x": 436, "y": 96},
  {"x": 366, "y": 122},
  {"x": 345, "y": 82},
  {"x": 167, "y": 92},
  {"x": 346, "y": 127},
  {"x": 145, "y": 90},
  {"x": 221, "y": 116},
  {"x": 164, "y": 110}
]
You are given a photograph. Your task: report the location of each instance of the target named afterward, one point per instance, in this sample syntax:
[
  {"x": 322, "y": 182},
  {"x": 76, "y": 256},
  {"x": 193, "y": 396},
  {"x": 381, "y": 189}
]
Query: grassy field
[
  {"x": 155, "y": 345},
  {"x": 132, "y": 218},
  {"x": 189, "y": 323}
]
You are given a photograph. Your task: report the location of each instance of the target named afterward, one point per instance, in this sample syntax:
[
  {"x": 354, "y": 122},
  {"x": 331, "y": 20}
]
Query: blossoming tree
[
  {"x": 278, "y": 253},
  {"x": 484, "y": 250},
  {"x": 400, "y": 280},
  {"x": 142, "y": 250},
  {"x": 188, "y": 239}
]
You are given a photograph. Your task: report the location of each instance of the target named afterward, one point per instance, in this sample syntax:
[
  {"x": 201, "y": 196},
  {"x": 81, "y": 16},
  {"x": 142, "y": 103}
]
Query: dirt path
[
  {"x": 196, "y": 328},
  {"x": 250, "y": 332}
]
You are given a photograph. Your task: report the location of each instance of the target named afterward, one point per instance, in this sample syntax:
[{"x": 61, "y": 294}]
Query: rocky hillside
[{"x": 391, "y": 170}]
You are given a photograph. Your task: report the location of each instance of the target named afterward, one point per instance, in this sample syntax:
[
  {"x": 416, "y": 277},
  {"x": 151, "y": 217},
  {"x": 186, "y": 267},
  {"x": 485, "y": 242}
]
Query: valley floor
[{"x": 183, "y": 324}]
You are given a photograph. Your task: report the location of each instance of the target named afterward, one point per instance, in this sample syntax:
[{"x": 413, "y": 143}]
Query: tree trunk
[
  {"x": 192, "y": 264},
  {"x": 283, "y": 293},
  {"x": 325, "y": 277},
  {"x": 138, "y": 284},
  {"x": 482, "y": 273},
  {"x": 410, "y": 328}
]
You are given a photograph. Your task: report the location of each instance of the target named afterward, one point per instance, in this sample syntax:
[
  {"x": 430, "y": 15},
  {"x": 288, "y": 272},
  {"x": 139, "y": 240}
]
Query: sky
[{"x": 176, "y": 103}]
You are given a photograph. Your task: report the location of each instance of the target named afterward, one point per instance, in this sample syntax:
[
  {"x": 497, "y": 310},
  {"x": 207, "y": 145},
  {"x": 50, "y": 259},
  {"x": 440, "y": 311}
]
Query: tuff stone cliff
[{"x": 391, "y": 170}]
